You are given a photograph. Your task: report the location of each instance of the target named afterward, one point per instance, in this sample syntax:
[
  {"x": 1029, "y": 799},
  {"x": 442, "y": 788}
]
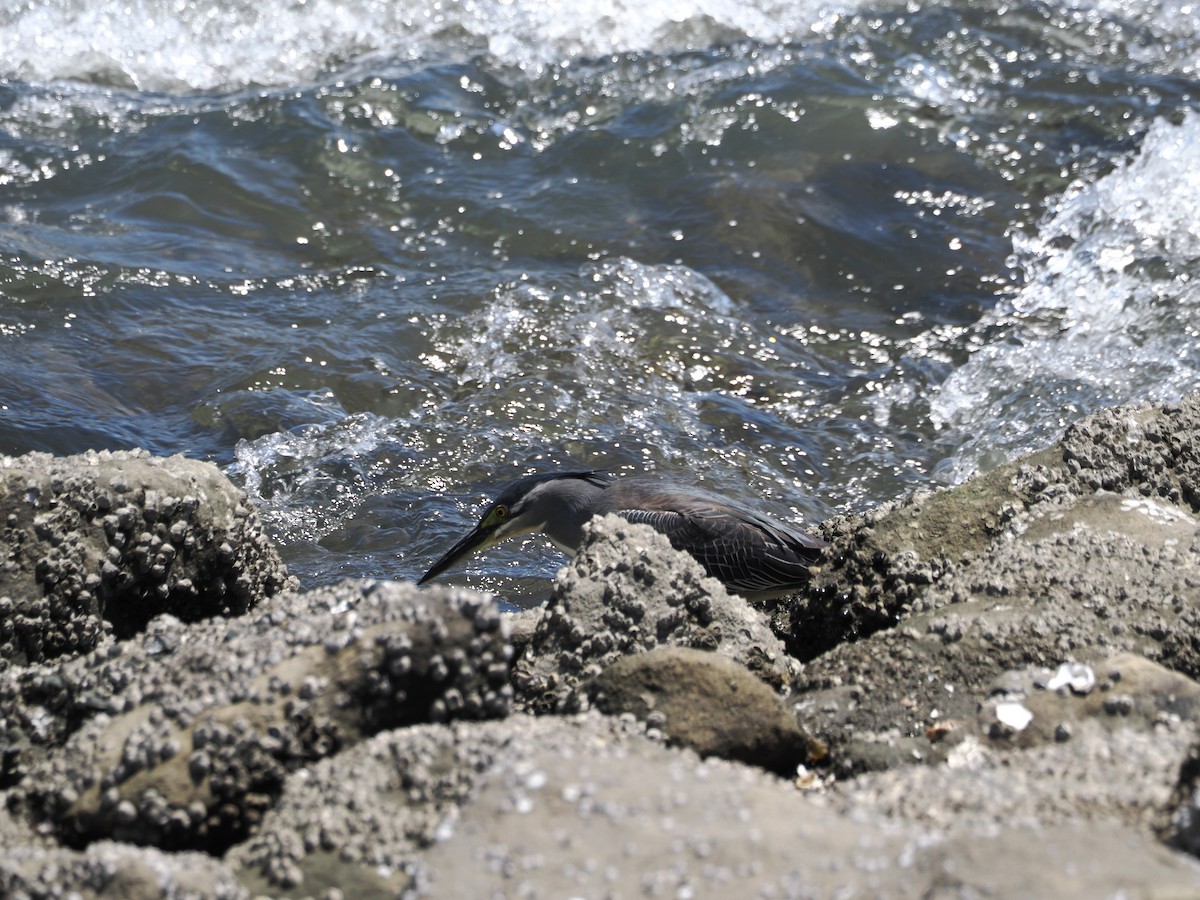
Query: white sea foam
[
  {"x": 177, "y": 45},
  {"x": 1108, "y": 313},
  {"x": 183, "y": 45}
]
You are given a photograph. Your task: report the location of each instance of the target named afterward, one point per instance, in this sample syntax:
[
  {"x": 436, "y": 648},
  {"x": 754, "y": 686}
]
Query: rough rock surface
[
  {"x": 704, "y": 701},
  {"x": 1041, "y": 752},
  {"x": 33, "y": 865},
  {"x": 627, "y": 591},
  {"x": 1046, "y": 565},
  {"x": 363, "y": 818},
  {"x": 883, "y": 562},
  {"x": 1179, "y": 820},
  {"x": 1031, "y": 638},
  {"x": 113, "y": 870},
  {"x": 201, "y": 724},
  {"x": 588, "y": 806},
  {"x": 582, "y": 806},
  {"x": 103, "y": 542}
]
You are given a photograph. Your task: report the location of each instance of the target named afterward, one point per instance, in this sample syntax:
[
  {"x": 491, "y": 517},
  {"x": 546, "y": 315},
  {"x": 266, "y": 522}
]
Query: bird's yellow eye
[{"x": 500, "y": 512}]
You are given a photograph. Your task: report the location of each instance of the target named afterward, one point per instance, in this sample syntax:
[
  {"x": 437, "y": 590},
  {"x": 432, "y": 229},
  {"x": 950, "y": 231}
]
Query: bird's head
[{"x": 534, "y": 503}]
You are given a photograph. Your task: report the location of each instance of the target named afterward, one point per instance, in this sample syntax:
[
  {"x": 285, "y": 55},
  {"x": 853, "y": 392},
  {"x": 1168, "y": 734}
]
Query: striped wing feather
[{"x": 750, "y": 553}]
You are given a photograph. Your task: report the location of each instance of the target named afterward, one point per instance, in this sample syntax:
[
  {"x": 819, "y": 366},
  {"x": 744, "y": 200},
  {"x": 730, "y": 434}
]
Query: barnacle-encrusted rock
[
  {"x": 1149, "y": 450},
  {"x": 586, "y": 806},
  {"x": 1072, "y": 588},
  {"x": 110, "y": 869},
  {"x": 372, "y": 817},
  {"x": 34, "y": 866},
  {"x": 102, "y": 542},
  {"x": 364, "y": 817},
  {"x": 1179, "y": 820},
  {"x": 203, "y": 722},
  {"x": 994, "y": 623},
  {"x": 883, "y": 562},
  {"x": 1056, "y": 756},
  {"x": 627, "y": 591},
  {"x": 1123, "y": 692},
  {"x": 1037, "y": 563}
]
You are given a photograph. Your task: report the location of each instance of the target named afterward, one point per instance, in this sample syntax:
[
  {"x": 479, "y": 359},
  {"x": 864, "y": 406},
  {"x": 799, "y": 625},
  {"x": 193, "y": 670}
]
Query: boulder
[
  {"x": 588, "y": 806},
  {"x": 204, "y": 722},
  {"x": 1045, "y": 565},
  {"x": 704, "y": 701},
  {"x": 98, "y": 544},
  {"x": 627, "y": 591}
]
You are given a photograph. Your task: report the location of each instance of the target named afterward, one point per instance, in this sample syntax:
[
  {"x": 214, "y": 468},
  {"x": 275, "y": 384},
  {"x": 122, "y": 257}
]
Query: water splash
[
  {"x": 184, "y": 45},
  {"x": 1108, "y": 313}
]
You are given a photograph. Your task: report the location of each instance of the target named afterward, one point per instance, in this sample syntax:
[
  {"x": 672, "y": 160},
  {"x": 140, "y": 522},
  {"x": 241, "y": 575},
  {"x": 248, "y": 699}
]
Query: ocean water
[{"x": 376, "y": 259}]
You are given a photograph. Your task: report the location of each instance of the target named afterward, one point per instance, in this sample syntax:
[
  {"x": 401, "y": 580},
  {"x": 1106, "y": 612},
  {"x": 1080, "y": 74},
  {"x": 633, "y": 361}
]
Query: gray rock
[
  {"x": 587, "y": 806},
  {"x": 112, "y": 870},
  {"x": 521, "y": 625},
  {"x": 1026, "y": 566},
  {"x": 363, "y": 817},
  {"x": 33, "y": 866},
  {"x": 565, "y": 811},
  {"x": 1079, "y": 590},
  {"x": 103, "y": 542},
  {"x": 706, "y": 702},
  {"x": 560, "y": 806},
  {"x": 937, "y": 630},
  {"x": 883, "y": 561},
  {"x": 205, "y": 721},
  {"x": 1146, "y": 450},
  {"x": 1083, "y": 860},
  {"x": 626, "y": 591},
  {"x": 1103, "y": 773},
  {"x": 1131, "y": 693}
]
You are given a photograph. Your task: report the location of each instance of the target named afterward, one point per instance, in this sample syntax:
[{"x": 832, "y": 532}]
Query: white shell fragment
[
  {"x": 1014, "y": 715},
  {"x": 1078, "y": 677}
]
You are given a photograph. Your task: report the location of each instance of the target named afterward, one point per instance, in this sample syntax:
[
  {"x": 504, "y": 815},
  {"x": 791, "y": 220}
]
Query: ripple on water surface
[{"x": 379, "y": 258}]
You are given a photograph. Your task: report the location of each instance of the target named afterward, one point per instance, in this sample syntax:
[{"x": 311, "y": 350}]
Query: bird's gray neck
[{"x": 577, "y": 502}]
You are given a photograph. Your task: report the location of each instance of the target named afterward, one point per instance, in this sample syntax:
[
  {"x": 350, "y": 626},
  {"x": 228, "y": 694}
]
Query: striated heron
[{"x": 751, "y": 554}]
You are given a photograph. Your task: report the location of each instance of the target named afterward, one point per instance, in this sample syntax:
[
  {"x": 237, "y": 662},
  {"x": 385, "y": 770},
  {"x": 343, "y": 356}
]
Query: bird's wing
[{"x": 748, "y": 552}]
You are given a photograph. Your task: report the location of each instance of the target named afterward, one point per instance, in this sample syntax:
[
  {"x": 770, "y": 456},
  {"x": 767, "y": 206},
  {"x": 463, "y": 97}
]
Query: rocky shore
[{"x": 991, "y": 690}]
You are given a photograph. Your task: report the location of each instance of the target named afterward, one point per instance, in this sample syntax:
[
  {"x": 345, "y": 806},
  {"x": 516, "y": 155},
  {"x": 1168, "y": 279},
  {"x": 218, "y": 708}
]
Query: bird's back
[{"x": 753, "y": 555}]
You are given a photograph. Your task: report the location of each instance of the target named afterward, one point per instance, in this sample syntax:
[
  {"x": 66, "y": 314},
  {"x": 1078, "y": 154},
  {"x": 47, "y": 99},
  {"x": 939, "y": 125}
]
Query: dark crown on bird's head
[{"x": 512, "y": 496}]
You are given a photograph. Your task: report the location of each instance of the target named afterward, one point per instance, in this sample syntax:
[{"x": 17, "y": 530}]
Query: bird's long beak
[{"x": 481, "y": 537}]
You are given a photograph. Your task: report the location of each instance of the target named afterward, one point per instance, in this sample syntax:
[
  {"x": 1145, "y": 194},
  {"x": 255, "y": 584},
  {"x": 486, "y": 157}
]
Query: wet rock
[
  {"x": 1149, "y": 451},
  {"x": 1047, "y": 570},
  {"x": 98, "y": 544},
  {"x": 882, "y": 561},
  {"x": 204, "y": 722},
  {"x": 627, "y": 591},
  {"x": 706, "y": 702}
]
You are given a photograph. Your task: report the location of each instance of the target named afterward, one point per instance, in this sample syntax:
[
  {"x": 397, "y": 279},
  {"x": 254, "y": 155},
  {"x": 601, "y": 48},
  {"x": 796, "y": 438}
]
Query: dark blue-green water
[{"x": 376, "y": 259}]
